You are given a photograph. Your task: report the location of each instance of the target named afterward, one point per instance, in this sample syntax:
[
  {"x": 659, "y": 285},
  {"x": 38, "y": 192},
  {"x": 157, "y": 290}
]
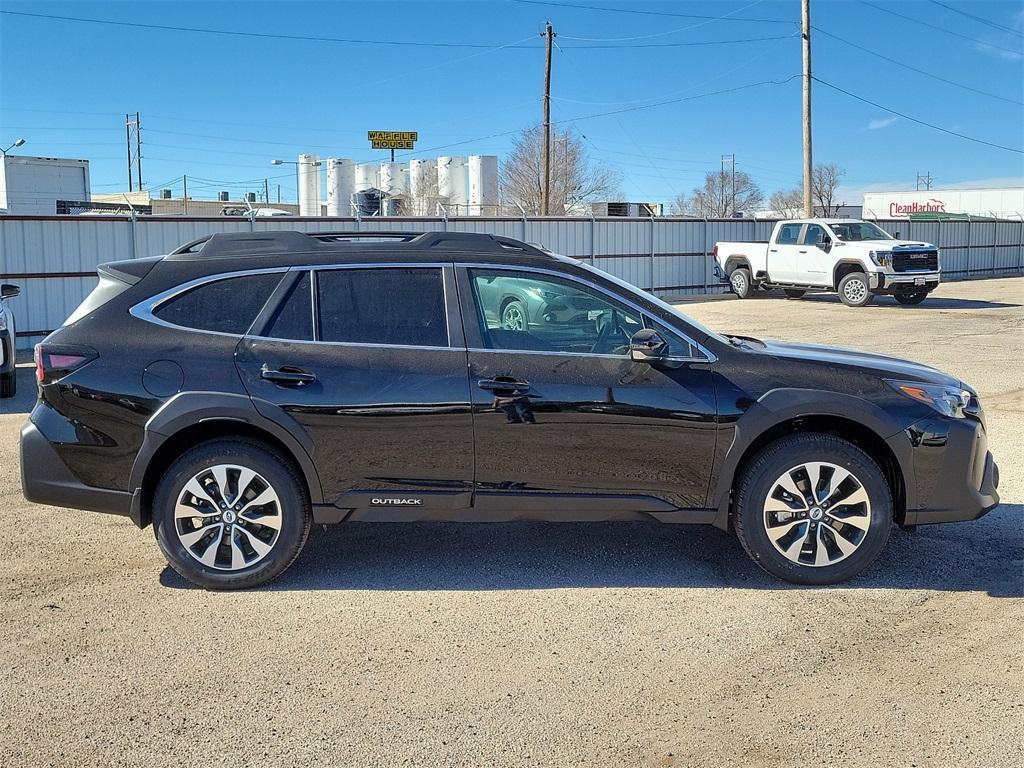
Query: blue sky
[{"x": 219, "y": 108}]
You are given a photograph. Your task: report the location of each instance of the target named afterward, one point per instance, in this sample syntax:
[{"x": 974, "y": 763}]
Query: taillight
[
  {"x": 714, "y": 251},
  {"x": 55, "y": 361}
]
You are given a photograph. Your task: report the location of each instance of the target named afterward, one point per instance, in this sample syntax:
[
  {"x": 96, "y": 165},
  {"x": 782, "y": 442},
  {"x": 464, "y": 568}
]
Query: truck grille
[{"x": 913, "y": 261}]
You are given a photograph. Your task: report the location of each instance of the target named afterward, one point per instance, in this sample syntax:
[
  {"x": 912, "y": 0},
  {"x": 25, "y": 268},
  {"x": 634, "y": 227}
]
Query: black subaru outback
[{"x": 245, "y": 386}]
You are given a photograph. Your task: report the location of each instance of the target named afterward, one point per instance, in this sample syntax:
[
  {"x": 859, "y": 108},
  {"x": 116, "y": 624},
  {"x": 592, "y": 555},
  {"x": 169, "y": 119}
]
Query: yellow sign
[{"x": 392, "y": 139}]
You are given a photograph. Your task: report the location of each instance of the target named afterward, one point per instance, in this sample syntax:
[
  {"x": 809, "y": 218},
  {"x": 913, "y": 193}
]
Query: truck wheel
[
  {"x": 853, "y": 290},
  {"x": 740, "y": 281},
  {"x": 813, "y": 508},
  {"x": 911, "y": 298},
  {"x": 8, "y": 384},
  {"x": 794, "y": 293},
  {"x": 231, "y": 514}
]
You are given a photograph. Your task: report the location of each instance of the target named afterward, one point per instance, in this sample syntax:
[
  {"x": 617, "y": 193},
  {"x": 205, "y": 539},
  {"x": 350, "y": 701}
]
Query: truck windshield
[{"x": 852, "y": 231}]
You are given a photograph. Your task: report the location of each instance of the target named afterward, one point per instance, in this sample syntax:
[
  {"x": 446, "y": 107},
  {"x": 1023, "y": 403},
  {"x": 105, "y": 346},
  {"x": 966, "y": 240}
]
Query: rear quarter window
[{"x": 228, "y": 305}]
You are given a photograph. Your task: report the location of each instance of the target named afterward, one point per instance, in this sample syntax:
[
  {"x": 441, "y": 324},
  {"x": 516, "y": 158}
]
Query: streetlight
[
  {"x": 17, "y": 143},
  {"x": 296, "y": 163}
]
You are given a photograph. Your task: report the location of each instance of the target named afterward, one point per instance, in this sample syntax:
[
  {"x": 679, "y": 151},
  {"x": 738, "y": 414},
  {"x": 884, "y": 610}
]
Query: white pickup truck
[{"x": 854, "y": 258}]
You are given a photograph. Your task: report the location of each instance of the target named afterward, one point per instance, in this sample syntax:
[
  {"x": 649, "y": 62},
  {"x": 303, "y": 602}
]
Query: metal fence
[{"x": 54, "y": 258}]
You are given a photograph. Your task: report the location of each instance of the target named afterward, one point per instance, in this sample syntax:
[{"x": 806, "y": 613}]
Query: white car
[
  {"x": 854, "y": 258},
  {"x": 8, "y": 382}
]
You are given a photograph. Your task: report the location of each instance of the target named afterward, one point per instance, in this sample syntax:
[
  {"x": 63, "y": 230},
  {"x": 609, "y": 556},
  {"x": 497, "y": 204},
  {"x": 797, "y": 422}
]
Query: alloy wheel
[
  {"x": 512, "y": 318},
  {"x": 228, "y": 517},
  {"x": 817, "y": 514},
  {"x": 855, "y": 291}
]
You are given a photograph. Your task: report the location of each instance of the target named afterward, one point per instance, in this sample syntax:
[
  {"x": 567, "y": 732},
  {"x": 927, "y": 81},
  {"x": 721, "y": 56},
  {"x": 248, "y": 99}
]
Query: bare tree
[
  {"x": 824, "y": 186},
  {"x": 575, "y": 178},
  {"x": 787, "y": 204},
  {"x": 718, "y": 198}
]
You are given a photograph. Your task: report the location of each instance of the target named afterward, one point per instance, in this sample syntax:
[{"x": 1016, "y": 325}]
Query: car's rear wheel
[
  {"x": 853, "y": 290},
  {"x": 911, "y": 298},
  {"x": 739, "y": 279},
  {"x": 813, "y": 509},
  {"x": 231, "y": 514},
  {"x": 9, "y": 384},
  {"x": 794, "y": 293}
]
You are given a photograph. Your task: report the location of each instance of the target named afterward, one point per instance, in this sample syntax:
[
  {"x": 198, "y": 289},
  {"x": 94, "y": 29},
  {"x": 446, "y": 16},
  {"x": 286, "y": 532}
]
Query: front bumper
[
  {"x": 46, "y": 479},
  {"x": 955, "y": 477},
  {"x": 907, "y": 281}
]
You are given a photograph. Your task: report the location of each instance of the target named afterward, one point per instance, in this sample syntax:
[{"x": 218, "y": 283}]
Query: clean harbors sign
[{"x": 1005, "y": 203}]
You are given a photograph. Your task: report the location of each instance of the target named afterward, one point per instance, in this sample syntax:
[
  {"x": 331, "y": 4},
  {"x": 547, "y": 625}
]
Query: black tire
[
  {"x": 294, "y": 516},
  {"x": 910, "y": 298},
  {"x": 853, "y": 290},
  {"x": 794, "y": 293},
  {"x": 739, "y": 279},
  {"x": 760, "y": 477},
  {"x": 9, "y": 383},
  {"x": 516, "y": 308}
]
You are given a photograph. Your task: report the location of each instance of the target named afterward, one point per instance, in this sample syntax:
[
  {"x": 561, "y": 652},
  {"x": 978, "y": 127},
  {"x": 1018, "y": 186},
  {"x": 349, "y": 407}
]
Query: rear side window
[
  {"x": 293, "y": 319},
  {"x": 227, "y": 306},
  {"x": 789, "y": 234},
  {"x": 383, "y": 306}
]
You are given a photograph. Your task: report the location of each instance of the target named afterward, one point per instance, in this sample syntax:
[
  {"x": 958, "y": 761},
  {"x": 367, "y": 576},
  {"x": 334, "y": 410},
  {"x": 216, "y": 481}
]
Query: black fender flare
[
  {"x": 861, "y": 267},
  {"x": 735, "y": 261},
  {"x": 785, "y": 404},
  {"x": 187, "y": 409}
]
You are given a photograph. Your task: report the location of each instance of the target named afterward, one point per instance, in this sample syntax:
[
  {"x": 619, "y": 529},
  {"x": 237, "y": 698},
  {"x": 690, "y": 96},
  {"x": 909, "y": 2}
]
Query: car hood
[
  {"x": 869, "y": 362},
  {"x": 885, "y": 245}
]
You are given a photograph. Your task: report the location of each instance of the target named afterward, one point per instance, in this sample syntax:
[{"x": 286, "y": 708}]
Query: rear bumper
[
  {"x": 46, "y": 479},
  {"x": 955, "y": 476}
]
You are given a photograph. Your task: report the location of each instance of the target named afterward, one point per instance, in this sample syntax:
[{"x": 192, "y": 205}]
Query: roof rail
[{"x": 225, "y": 244}]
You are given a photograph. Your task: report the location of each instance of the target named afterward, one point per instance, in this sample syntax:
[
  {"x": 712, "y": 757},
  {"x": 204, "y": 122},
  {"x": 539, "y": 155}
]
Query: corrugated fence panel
[{"x": 54, "y": 258}]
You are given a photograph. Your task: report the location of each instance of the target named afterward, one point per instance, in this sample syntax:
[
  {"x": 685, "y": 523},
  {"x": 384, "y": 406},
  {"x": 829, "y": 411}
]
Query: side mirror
[
  {"x": 896, "y": 235},
  {"x": 648, "y": 346},
  {"x": 9, "y": 291}
]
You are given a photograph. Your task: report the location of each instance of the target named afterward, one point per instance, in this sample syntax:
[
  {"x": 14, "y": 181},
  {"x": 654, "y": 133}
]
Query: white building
[
  {"x": 1007, "y": 203},
  {"x": 32, "y": 186}
]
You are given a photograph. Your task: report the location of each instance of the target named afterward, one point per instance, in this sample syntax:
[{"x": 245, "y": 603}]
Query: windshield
[
  {"x": 852, "y": 231},
  {"x": 632, "y": 289}
]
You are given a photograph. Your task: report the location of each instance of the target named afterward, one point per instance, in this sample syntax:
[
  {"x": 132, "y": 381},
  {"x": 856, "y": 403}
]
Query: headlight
[
  {"x": 949, "y": 401},
  {"x": 539, "y": 293},
  {"x": 881, "y": 258}
]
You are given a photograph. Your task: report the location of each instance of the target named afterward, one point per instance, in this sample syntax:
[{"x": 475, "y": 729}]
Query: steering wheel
[{"x": 604, "y": 336}]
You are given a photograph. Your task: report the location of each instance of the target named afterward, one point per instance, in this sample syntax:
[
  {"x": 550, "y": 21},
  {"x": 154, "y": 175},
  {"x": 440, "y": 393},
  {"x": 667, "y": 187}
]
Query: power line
[
  {"x": 938, "y": 28},
  {"x": 264, "y": 35},
  {"x": 924, "y": 72},
  {"x": 980, "y": 19},
  {"x": 581, "y": 7},
  {"x": 663, "y": 34},
  {"x": 673, "y": 45},
  {"x": 917, "y": 120}
]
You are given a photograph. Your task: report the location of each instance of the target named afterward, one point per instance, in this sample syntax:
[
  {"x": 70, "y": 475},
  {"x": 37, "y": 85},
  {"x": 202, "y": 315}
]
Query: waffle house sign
[{"x": 392, "y": 139}]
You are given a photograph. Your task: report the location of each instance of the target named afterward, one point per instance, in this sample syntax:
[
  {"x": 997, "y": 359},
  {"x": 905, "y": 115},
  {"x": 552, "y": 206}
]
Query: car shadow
[
  {"x": 980, "y": 556},
  {"x": 932, "y": 302}
]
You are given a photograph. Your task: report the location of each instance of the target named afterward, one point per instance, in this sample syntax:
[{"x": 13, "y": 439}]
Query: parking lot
[{"x": 540, "y": 644}]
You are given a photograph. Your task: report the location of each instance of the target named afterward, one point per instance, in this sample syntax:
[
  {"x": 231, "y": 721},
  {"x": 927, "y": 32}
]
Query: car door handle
[
  {"x": 287, "y": 375},
  {"x": 803, "y": 251},
  {"x": 774, "y": 250},
  {"x": 502, "y": 384}
]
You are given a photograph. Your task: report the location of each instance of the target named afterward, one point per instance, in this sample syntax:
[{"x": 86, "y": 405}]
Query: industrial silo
[
  {"x": 341, "y": 178},
  {"x": 309, "y": 185},
  {"x": 394, "y": 179},
  {"x": 423, "y": 187},
  {"x": 366, "y": 177},
  {"x": 483, "y": 185},
  {"x": 451, "y": 184}
]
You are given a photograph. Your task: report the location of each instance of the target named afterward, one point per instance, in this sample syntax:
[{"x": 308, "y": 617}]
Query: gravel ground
[{"x": 598, "y": 645}]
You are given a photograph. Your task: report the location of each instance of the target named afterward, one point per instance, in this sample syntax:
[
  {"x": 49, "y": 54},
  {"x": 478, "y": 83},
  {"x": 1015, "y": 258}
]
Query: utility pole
[
  {"x": 184, "y": 195},
  {"x": 549, "y": 34},
  {"x": 266, "y": 191},
  {"x": 805, "y": 34},
  {"x": 926, "y": 180},
  {"x": 732, "y": 166},
  {"x": 138, "y": 147},
  {"x": 128, "y": 145}
]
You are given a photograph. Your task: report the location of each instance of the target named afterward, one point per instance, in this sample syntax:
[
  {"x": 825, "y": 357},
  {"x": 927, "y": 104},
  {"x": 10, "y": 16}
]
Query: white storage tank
[
  {"x": 394, "y": 179},
  {"x": 366, "y": 177},
  {"x": 341, "y": 179},
  {"x": 452, "y": 184},
  {"x": 423, "y": 186},
  {"x": 309, "y": 185},
  {"x": 483, "y": 185}
]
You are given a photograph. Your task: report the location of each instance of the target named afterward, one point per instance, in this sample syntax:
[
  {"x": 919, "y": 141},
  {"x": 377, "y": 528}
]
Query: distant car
[{"x": 8, "y": 382}]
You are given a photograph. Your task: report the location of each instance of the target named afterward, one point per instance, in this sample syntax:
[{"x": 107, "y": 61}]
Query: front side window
[
  {"x": 228, "y": 305},
  {"x": 540, "y": 313},
  {"x": 389, "y": 305},
  {"x": 814, "y": 233}
]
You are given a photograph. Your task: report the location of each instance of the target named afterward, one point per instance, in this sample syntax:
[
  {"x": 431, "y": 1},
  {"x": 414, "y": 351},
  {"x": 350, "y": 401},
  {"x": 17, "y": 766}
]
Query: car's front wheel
[
  {"x": 8, "y": 384},
  {"x": 813, "y": 508},
  {"x": 230, "y": 514},
  {"x": 853, "y": 290}
]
